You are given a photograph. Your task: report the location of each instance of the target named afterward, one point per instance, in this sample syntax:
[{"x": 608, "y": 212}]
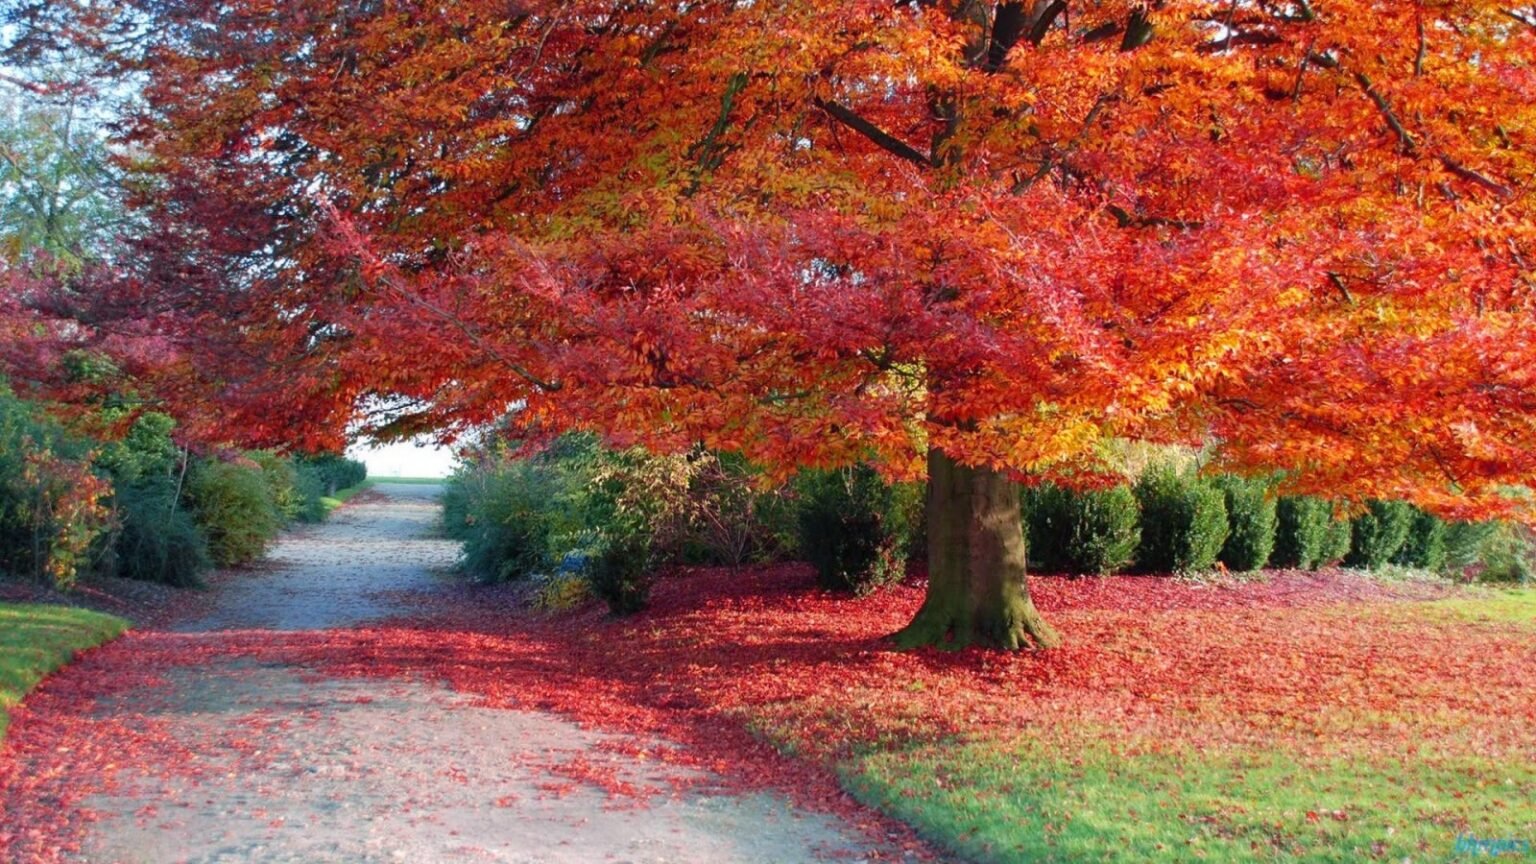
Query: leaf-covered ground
[
  {"x": 1304, "y": 717},
  {"x": 284, "y": 721}
]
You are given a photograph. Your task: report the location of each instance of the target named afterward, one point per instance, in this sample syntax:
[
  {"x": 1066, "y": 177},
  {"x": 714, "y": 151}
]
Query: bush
[
  {"x": 855, "y": 528},
  {"x": 334, "y": 471},
  {"x": 1379, "y": 533},
  {"x": 157, "y": 540},
  {"x": 294, "y": 490},
  {"x": 52, "y": 504},
  {"x": 1301, "y": 532},
  {"x": 620, "y": 573},
  {"x": 1506, "y": 554},
  {"x": 507, "y": 518},
  {"x": 232, "y": 503},
  {"x": 563, "y": 592},
  {"x": 1183, "y": 522},
  {"x": 1089, "y": 531},
  {"x": 1252, "y": 522},
  {"x": 1464, "y": 543},
  {"x": 1336, "y": 541},
  {"x": 1425, "y": 545}
]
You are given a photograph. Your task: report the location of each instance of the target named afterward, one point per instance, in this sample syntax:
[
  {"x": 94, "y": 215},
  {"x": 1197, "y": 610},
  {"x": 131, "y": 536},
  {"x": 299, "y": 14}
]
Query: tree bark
[{"x": 977, "y": 593}]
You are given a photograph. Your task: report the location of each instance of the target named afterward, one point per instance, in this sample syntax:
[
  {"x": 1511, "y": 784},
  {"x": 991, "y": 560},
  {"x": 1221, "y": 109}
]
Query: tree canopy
[{"x": 822, "y": 231}]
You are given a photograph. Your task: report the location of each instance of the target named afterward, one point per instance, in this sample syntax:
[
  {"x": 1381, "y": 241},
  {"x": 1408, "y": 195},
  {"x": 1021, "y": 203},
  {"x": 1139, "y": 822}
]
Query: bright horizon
[{"x": 416, "y": 458}]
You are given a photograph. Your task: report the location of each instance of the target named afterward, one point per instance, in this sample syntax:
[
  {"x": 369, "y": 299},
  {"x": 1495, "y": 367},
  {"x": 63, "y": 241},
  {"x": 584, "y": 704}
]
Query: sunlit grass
[
  {"x": 1363, "y": 784},
  {"x": 1028, "y": 800},
  {"x": 342, "y": 496},
  {"x": 35, "y": 640}
]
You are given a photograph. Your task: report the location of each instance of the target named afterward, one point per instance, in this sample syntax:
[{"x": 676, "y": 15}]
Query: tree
[{"x": 979, "y": 238}]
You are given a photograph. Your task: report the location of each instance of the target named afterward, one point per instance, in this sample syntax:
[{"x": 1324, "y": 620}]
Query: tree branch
[{"x": 884, "y": 140}]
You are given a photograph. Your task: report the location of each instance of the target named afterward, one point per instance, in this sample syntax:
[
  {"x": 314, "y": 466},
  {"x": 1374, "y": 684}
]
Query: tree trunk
[{"x": 976, "y": 589}]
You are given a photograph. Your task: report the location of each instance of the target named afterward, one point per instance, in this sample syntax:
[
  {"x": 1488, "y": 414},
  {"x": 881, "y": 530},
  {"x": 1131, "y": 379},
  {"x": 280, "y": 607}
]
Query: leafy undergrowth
[
  {"x": 1299, "y": 717},
  {"x": 36, "y": 640}
]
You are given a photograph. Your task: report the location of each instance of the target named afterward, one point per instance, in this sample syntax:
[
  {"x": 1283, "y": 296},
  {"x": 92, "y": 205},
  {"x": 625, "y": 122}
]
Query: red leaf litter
[{"x": 732, "y": 668}]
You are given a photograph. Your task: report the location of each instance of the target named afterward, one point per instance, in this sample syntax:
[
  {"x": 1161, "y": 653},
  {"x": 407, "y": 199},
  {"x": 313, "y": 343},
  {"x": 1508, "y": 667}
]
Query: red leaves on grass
[{"x": 1328, "y": 663}]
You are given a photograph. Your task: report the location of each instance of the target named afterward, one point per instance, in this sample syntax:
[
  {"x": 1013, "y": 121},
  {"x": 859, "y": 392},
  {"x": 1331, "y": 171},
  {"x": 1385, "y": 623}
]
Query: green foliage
[
  {"x": 283, "y": 485},
  {"x": 51, "y": 500},
  {"x": 1379, "y": 533},
  {"x": 157, "y": 540},
  {"x": 232, "y": 503},
  {"x": 855, "y": 528},
  {"x": 333, "y": 472},
  {"x": 1464, "y": 542},
  {"x": 1302, "y": 532},
  {"x": 1336, "y": 541},
  {"x": 1252, "y": 522},
  {"x": 563, "y": 592},
  {"x": 57, "y": 184},
  {"x": 1425, "y": 546},
  {"x": 1183, "y": 522},
  {"x": 146, "y": 452},
  {"x": 1507, "y": 554},
  {"x": 506, "y": 517},
  {"x": 621, "y": 571},
  {"x": 1088, "y": 531}
]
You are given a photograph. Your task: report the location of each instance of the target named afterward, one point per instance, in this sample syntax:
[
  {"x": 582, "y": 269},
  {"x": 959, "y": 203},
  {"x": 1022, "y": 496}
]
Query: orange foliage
[{"x": 816, "y": 231}]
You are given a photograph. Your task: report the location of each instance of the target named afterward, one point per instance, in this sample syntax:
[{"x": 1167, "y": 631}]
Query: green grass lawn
[
  {"x": 35, "y": 640},
  {"x": 1024, "y": 801},
  {"x": 1102, "y": 793}
]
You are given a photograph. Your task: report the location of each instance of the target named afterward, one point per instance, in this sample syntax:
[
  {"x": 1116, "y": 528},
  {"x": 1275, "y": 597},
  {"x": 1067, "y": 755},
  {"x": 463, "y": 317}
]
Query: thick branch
[{"x": 884, "y": 140}]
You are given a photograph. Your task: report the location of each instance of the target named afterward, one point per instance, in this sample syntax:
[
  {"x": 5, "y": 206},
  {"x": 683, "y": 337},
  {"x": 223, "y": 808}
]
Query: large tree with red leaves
[{"x": 988, "y": 236}]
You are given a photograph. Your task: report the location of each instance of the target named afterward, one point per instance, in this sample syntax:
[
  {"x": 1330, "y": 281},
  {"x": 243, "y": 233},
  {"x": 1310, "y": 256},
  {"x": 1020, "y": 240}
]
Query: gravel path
[{"x": 294, "y": 766}]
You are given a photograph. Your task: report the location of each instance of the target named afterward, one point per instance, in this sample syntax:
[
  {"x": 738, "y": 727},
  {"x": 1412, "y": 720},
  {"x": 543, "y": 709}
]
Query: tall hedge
[
  {"x": 1252, "y": 522},
  {"x": 1379, "y": 533},
  {"x": 1088, "y": 531},
  {"x": 1301, "y": 531},
  {"x": 1425, "y": 545},
  {"x": 1183, "y": 522}
]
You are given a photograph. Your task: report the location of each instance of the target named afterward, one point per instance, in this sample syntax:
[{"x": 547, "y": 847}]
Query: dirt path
[{"x": 256, "y": 759}]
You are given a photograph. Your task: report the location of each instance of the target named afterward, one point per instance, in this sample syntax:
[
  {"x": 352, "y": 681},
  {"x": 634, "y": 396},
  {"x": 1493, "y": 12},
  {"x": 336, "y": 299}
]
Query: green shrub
[
  {"x": 335, "y": 472},
  {"x": 157, "y": 540},
  {"x": 53, "y": 514},
  {"x": 1336, "y": 541},
  {"x": 1464, "y": 543},
  {"x": 1252, "y": 522},
  {"x": 145, "y": 454},
  {"x": 1507, "y": 554},
  {"x": 1183, "y": 522},
  {"x": 621, "y": 571},
  {"x": 1088, "y": 531},
  {"x": 1425, "y": 545},
  {"x": 563, "y": 592},
  {"x": 1379, "y": 533},
  {"x": 508, "y": 519},
  {"x": 1302, "y": 529},
  {"x": 232, "y": 503},
  {"x": 295, "y": 494},
  {"x": 855, "y": 528}
]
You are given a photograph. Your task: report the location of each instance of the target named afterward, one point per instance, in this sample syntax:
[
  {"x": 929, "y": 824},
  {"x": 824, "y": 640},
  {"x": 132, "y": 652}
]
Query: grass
[
  {"x": 1097, "y": 792},
  {"x": 36, "y": 640},
  {"x": 342, "y": 496},
  {"x": 1026, "y": 801}
]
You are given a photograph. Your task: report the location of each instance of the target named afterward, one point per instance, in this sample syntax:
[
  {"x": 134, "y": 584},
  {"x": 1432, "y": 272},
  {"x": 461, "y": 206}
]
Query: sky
[{"x": 404, "y": 459}]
